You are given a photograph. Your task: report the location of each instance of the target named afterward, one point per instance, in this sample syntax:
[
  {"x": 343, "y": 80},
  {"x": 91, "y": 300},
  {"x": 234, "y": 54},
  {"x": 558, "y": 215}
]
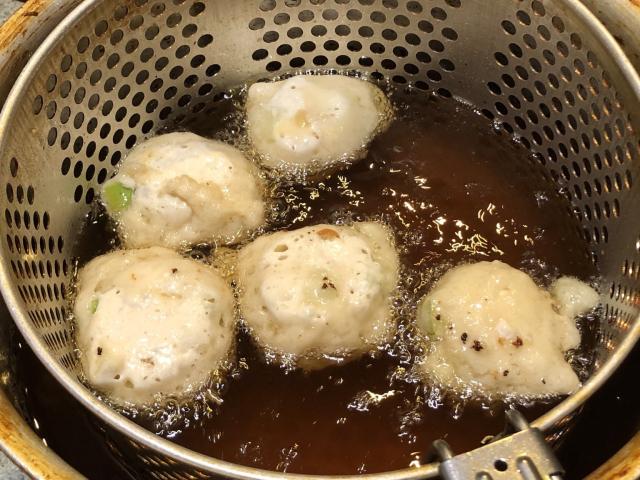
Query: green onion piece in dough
[
  {"x": 117, "y": 197},
  {"x": 93, "y": 306},
  {"x": 433, "y": 324}
]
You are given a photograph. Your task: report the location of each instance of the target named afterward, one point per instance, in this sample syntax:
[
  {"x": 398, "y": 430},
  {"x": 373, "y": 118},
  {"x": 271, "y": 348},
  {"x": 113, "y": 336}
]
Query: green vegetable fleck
[
  {"x": 93, "y": 306},
  {"x": 432, "y": 321},
  {"x": 117, "y": 197}
]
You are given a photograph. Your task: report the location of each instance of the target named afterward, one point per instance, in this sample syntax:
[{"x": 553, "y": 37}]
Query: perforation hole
[
  {"x": 31, "y": 194},
  {"x": 405, "y": 41}
]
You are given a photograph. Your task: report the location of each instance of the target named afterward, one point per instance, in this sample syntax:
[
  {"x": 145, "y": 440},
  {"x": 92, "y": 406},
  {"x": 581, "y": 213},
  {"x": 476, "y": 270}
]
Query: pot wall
[{"x": 22, "y": 34}]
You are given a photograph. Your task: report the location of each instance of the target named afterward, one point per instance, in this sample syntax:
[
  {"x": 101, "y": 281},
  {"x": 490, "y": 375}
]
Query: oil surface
[
  {"x": 65, "y": 425},
  {"x": 453, "y": 189}
]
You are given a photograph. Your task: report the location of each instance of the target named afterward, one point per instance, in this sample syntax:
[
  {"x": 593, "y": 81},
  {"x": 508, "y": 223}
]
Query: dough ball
[
  {"x": 180, "y": 188},
  {"x": 151, "y": 323},
  {"x": 320, "y": 294},
  {"x": 493, "y": 331},
  {"x": 574, "y": 297},
  {"x": 308, "y": 123}
]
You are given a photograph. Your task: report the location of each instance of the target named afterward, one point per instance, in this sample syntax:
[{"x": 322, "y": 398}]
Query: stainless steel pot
[{"x": 582, "y": 62}]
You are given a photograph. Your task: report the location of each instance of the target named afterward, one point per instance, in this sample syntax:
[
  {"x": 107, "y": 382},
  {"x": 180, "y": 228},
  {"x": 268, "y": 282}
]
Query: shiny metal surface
[
  {"x": 8, "y": 470},
  {"x": 113, "y": 73},
  {"x": 624, "y": 465},
  {"x": 622, "y": 19},
  {"x": 25, "y": 451},
  {"x": 519, "y": 452}
]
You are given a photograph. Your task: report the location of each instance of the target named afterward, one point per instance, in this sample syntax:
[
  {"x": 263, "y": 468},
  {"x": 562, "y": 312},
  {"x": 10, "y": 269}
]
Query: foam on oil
[{"x": 453, "y": 189}]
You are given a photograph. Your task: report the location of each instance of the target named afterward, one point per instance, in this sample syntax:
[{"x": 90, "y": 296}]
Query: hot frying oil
[{"x": 453, "y": 189}]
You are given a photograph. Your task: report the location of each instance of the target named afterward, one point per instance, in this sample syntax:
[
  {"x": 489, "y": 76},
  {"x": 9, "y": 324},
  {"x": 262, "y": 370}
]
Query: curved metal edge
[
  {"x": 23, "y": 33},
  {"x": 629, "y": 73},
  {"x": 622, "y": 19},
  {"x": 623, "y": 465},
  {"x": 20, "y": 36},
  {"x": 220, "y": 467},
  {"x": 26, "y": 449},
  {"x": 95, "y": 406}
]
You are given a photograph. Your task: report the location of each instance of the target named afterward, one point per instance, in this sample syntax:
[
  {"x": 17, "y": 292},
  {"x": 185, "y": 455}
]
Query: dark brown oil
[
  {"x": 59, "y": 419},
  {"x": 66, "y": 427},
  {"x": 453, "y": 189}
]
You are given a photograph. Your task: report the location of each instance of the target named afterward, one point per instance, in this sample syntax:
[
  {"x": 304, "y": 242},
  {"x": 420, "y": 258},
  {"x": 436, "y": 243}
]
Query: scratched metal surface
[
  {"x": 7, "y": 470},
  {"x": 7, "y": 7}
]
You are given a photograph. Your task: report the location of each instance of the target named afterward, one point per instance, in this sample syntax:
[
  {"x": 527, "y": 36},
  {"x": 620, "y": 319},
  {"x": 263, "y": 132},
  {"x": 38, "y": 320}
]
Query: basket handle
[{"x": 504, "y": 457}]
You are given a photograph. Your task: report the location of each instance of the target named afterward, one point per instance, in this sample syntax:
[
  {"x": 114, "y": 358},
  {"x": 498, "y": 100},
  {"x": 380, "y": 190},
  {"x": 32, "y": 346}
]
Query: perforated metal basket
[{"x": 116, "y": 72}]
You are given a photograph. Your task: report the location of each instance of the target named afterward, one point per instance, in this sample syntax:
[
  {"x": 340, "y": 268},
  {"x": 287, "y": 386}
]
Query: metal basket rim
[{"x": 200, "y": 461}]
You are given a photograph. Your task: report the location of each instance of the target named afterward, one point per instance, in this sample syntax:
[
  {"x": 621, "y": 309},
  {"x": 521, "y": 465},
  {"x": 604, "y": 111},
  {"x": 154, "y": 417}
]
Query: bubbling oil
[{"x": 453, "y": 189}]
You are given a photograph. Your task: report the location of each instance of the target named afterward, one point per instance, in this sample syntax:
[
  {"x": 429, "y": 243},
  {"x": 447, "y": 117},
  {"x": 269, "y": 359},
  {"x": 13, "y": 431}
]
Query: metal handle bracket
[{"x": 521, "y": 455}]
